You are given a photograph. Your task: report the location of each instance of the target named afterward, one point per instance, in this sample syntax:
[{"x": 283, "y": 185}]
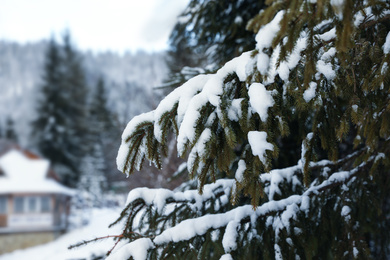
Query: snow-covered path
[{"x": 58, "y": 249}]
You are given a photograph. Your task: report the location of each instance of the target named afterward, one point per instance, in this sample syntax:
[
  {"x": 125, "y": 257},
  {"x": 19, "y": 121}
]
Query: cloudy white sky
[{"x": 98, "y": 25}]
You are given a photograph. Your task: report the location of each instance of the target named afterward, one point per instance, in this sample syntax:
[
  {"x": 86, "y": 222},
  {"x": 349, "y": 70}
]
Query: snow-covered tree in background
[
  {"x": 93, "y": 181},
  {"x": 102, "y": 131},
  {"x": 319, "y": 74},
  {"x": 10, "y": 133},
  {"x": 59, "y": 129}
]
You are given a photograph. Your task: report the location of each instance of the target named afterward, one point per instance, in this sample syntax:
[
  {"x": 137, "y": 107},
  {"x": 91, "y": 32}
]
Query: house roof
[{"x": 24, "y": 174}]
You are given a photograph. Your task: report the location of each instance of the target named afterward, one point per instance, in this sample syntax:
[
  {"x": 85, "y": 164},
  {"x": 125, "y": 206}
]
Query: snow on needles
[
  {"x": 264, "y": 40},
  {"x": 187, "y": 229},
  {"x": 260, "y": 100},
  {"x": 132, "y": 250},
  {"x": 158, "y": 197},
  {"x": 386, "y": 46},
  {"x": 189, "y": 99},
  {"x": 258, "y": 142}
]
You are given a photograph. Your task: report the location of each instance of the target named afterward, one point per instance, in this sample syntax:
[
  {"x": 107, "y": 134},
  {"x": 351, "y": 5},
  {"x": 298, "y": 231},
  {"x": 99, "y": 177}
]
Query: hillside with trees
[
  {"x": 39, "y": 99},
  {"x": 287, "y": 145}
]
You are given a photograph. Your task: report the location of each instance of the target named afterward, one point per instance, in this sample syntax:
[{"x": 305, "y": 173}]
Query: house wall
[
  {"x": 30, "y": 219},
  {"x": 11, "y": 242},
  {"x": 26, "y": 229}
]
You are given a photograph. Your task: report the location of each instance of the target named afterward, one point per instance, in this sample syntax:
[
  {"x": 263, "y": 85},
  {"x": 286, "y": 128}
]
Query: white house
[{"x": 34, "y": 206}]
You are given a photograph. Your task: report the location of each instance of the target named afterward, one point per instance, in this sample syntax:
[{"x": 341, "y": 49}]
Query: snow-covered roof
[{"x": 27, "y": 175}]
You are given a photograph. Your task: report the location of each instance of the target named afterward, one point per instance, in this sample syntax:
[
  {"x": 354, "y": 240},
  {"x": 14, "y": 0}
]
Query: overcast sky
[{"x": 98, "y": 25}]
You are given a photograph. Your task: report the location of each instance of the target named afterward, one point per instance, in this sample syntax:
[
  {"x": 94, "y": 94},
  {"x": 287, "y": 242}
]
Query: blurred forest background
[{"x": 117, "y": 85}]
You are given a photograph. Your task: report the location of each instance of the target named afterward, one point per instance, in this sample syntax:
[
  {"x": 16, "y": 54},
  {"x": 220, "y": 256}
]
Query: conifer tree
[
  {"x": 59, "y": 130},
  {"x": 10, "y": 133},
  {"x": 323, "y": 64},
  {"x": 102, "y": 134},
  {"x": 208, "y": 34}
]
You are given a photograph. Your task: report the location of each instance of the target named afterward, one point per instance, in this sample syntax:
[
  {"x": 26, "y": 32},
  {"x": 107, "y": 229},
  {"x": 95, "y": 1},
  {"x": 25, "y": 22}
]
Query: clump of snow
[
  {"x": 345, "y": 212},
  {"x": 288, "y": 214},
  {"x": 384, "y": 68},
  {"x": 238, "y": 20},
  {"x": 258, "y": 142},
  {"x": 310, "y": 93},
  {"x": 293, "y": 58},
  {"x": 234, "y": 112},
  {"x": 302, "y": 161},
  {"x": 240, "y": 170},
  {"x": 277, "y": 176},
  {"x": 226, "y": 257},
  {"x": 329, "y": 35},
  {"x": 355, "y": 252},
  {"x": 131, "y": 249},
  {"x": 327, "y": 56},
  {"x": 260, "y": 100},
  {"x": 386, "y": 46},
  {"x": 278, "y": 252},
  {"x": 158, "y": 197},
  {"x": 264, "y": 40},
  {"x": 325, "y": 69},
  {"x": 305, "y": 205},
  {"x": 201, "y": 143},
  {"x": 229, "y": 241}
]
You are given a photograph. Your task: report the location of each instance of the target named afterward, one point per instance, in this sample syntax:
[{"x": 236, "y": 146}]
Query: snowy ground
[{"x": 97, "y": 227}]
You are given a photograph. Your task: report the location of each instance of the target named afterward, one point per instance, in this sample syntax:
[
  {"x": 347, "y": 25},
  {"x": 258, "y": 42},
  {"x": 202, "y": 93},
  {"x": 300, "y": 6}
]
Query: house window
[
  {"x": 45, "y": 204},
  {"x": 3, "y": 205},
  {"x": 32, "y": 204},
  {"x": 18, "y": 204}
]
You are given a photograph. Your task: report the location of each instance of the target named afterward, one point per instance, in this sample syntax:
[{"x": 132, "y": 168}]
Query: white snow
[
  {"x": 234, "y": 112},
  {"x": 189, "y": 228},
  {"x": 310, "y": 93},
  {"x": 240, "y": 170},
  {"x": 238, "y": 20},
  {"x": 278, "y": 176},
  {"x": 258, "y": 142},
  {"x": 260, "y": 100},
  {"x": 131, "y": 249},
  {"x": 226, "y": 257},
  {"x": 355, "y": 252},
  {"x": 130, "y": 128},
  {"x": 345, "y": 212},
  {"x": 293, "y": 58},
  {"x": 264, "y": 40},
  {"x": 22, "y": 174},
  {"x": 384, "y": 68},
  {"x": 326, "y": 69},
  {"x": 329, "y": 35},
  {"x": 158, "y": 197},
  {"x": 229, "y": 240},
  {"x": 386, "y": 46}
]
